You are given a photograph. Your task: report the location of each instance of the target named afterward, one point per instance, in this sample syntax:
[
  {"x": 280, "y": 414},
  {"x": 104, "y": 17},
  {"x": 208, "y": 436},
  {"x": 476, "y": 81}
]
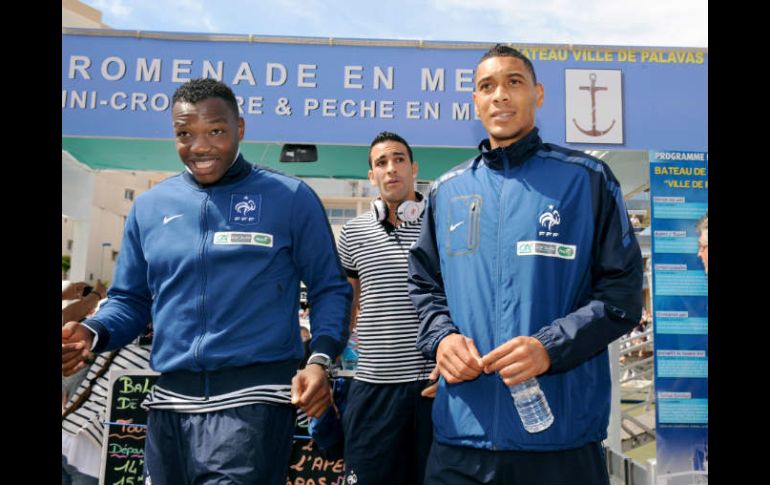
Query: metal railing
[
  {"x": 637, "y": 381},
  {"x": 626, "y": 471}
]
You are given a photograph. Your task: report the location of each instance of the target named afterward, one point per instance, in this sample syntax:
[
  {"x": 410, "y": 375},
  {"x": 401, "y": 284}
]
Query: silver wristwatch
[{"x": 321, "y": 360}]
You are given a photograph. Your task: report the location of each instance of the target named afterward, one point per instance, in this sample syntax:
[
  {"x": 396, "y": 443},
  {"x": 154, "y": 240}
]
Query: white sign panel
[{"x": 594, "y": 106}]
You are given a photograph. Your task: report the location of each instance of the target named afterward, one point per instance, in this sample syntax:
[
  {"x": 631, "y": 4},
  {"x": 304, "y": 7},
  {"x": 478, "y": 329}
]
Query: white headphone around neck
[{"x": 407, "y": 211}]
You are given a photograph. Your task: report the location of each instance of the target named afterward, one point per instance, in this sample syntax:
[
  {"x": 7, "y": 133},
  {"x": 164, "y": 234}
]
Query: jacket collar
[
  {"x": 239, "y": 170},
  {"x": 515, "y": 153}
]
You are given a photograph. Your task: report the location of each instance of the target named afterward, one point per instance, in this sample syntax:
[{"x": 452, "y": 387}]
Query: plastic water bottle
[
  {"x": 532, "y": 405},
  {"x": 350, "y": 354}
]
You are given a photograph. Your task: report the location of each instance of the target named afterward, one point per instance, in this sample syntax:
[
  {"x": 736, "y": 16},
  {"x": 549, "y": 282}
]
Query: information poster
[{"x": 679, "y": 199}]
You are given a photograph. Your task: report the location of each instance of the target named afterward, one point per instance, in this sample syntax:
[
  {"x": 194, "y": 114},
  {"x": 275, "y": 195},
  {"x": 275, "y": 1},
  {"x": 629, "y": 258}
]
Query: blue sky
[{"x": 679, "y": 23}]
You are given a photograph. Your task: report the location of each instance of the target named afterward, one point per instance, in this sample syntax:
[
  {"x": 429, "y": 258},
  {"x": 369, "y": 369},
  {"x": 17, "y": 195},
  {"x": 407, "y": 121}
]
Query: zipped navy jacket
[
  {"x": 217, "y": 269},
  {"x": 530, "y": 239}
]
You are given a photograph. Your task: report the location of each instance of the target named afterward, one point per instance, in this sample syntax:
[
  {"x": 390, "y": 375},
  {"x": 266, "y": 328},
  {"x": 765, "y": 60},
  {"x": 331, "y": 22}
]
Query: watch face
[{"x": 320, "y": 360}]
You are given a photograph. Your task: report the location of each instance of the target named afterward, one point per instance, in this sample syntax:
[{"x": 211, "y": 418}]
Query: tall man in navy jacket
[
  {"x": 214, "y": 257},
  {"x": 526, "y": 265}
]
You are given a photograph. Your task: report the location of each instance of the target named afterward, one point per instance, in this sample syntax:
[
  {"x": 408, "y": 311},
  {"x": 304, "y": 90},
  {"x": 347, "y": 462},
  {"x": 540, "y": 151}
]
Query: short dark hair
[
  {"x": 197, "y": 90},
  {"x": 500, "y": 50},
  {"x": 388, "y": 136}
]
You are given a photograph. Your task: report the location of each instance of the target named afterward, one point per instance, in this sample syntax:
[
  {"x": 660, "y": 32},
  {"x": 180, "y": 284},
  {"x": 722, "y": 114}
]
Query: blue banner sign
[{"x": 119, "y": 84}]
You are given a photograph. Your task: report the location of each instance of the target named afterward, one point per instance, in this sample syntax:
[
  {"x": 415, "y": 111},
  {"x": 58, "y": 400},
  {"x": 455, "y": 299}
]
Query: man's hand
[
  {"x": 430, "y": 390},
  {"x": 310, "y": 390},
  {"x": 101, "y": 289},
  {"x": 458, "y": 359},
  {"x": 76, "y": 343},
  {"x": 74, "y": 291},
  {"x": 517, "y": 360}
]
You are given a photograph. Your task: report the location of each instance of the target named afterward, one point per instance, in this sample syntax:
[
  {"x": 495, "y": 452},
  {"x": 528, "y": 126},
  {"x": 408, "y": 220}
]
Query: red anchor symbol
[{"x": 593, "y": 88}]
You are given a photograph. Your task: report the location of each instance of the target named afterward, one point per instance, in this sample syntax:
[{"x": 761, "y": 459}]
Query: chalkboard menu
[
  {"x": 124, "y": 431},
  {"x": 308, "y": 467}
]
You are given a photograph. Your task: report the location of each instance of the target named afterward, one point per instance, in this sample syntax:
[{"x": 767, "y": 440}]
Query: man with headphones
[{"x": 387, "y": 421}]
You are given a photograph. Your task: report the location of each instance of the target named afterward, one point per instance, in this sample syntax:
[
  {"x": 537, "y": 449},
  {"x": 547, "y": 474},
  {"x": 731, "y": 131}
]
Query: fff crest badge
[
  {"x": 245, "y": 209},
  {"x": 594, "y": 106}
]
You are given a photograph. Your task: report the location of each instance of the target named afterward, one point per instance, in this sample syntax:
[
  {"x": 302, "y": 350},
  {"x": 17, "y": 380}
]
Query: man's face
[
  {"x": 703, "y": 249},
  {"x": 392, "y": 171},
  {"x": 505, "y": 99},
  {"x": 207, "y": 135}
]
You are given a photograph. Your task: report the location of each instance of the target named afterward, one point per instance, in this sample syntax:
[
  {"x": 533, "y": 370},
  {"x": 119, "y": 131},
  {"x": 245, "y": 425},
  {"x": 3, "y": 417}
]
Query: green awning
[{"x": 334, "y": 161}]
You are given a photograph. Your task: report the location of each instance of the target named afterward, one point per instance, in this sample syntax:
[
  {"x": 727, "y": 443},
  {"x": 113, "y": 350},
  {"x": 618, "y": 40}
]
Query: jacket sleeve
[
  {"x": 614, "y": 305},
  {"x": 127, "y": 310},
  {"x": 315, "y": 254},
  {"x": 426, "y": 286}
]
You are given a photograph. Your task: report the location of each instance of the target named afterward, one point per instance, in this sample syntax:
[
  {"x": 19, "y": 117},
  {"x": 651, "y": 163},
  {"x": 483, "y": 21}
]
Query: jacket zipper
[
  {"x": 498, "y": 290},
  {"x": 202, "y": 297}
]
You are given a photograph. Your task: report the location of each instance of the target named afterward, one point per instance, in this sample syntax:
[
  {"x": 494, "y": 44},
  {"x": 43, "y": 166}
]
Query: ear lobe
[
  {"x": 241, "y": 128},
  {"x": 540, "y": 94}
]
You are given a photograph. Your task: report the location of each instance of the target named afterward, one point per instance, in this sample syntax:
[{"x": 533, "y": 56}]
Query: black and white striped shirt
[
  {"x": 89, "y": 417},
  {"x": 387, "y": 321}
]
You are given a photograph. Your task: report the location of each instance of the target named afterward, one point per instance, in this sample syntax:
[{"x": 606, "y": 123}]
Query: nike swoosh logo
[
  {"x": 455, "y": 226},
  {"x": 168, "y": 219}
]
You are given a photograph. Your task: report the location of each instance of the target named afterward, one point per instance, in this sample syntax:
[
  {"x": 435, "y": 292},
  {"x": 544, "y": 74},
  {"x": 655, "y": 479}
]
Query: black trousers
[
  {"x": 458, "y": 465},
  {"x": 388, "y": 433}
]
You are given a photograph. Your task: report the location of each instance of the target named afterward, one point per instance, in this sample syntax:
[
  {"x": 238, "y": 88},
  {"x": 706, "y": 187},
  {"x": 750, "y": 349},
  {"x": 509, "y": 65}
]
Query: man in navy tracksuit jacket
[
  {"x": 214, "y": 258},
  {"x": 526, "y": 266}
]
